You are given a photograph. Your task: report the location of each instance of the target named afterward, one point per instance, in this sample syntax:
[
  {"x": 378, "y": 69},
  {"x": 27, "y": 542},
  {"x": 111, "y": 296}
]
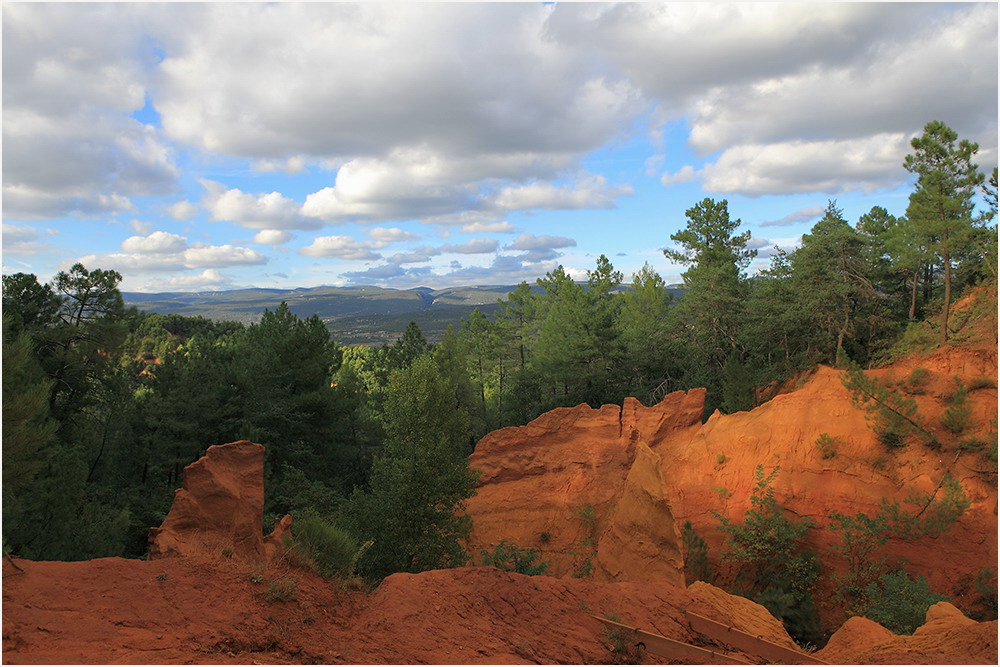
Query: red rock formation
[
  {"x": 556, "y": 484},
  {"x": 743, "y": 614},
  {"x": 536, "y": 478},
  {"x": 197, "y": 610},
  {"x": 219, "y": 507},
  {"x": 640, "y": 542},
  {"x": 946, "y": 638}
]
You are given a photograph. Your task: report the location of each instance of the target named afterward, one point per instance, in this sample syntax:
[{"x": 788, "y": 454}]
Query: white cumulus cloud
[
  {"x": 341, "y": 247},
  {"x": 272, "y": 237},
  {"x": 157, "y": 242},
  {"x": 264, "y": 211}
]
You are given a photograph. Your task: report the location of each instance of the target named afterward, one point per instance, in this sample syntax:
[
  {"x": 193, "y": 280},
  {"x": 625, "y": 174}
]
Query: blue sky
[{"x": 214, "y": 146}]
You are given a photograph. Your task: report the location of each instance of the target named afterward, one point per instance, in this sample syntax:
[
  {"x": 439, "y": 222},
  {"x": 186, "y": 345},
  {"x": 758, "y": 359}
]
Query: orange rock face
[
  {"x": 562, "y": 482},
  {"x": 219, "y": 506},
  {"x": 587, "y": 488},
  {"x": 743, "y": 614},
  {"x": 947, "y": 638}
]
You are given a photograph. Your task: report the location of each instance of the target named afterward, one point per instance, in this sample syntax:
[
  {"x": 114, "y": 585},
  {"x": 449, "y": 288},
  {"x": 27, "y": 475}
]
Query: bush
[
  {"x": 695, "y": 556},
  {"x": 827, "y": 445},
  {"x": 916, "y": 381},
  {"x": 891, "y": 415},
  {"x": 328, "y": 549},
  {"x": 958, "y": 416},
  {"x": 775, "y": 570},
  {"x": 899, "y": 603},
  {"x": 284, "y": 588},
  {"x": 982, "y": 382},
  {"x": 972, "y": 444},
  {"x": 986, "y": 586},
  {"x": 508, "y": 557}
]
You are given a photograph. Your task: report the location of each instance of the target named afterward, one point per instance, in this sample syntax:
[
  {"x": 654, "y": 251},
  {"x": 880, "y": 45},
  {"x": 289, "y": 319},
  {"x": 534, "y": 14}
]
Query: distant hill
[{"x": 361, "y": 315}]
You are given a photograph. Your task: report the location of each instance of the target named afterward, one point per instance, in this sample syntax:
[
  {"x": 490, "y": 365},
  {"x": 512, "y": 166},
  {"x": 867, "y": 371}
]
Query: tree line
[{"x": 105, "y": 405}]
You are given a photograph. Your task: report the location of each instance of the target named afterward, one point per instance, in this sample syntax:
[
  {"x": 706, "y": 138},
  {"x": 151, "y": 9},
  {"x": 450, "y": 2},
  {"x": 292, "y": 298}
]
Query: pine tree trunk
[
  {"x": 913, "y": 294},
  {"x": 947, "y": 292}
]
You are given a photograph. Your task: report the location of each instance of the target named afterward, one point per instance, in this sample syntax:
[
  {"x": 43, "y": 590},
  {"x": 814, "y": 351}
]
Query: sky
[{"x": 205, "y": 147}]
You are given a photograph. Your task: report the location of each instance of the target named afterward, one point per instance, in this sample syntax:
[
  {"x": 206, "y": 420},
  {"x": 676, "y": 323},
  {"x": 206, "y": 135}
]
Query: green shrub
[
  {"x": 827, "y": 445},
  {"x": 695, "y": 556},
  {"x": 624, "y": 648},
  {"x": 958, "y": 416},
  {"x": 917, "y": 380},
  {"x": 932, "y": 516},
  {"x": 982, "y": 382},
  {"x": 775, "y": 570},
  {"x": 722, "y": 492},
  {"x": 284, "y": 588},
  {"x": 986, "y": 586},
  {"x": 583, "y": 561},
  {"x": 328, "y": 549},
  {"x": 892, "y": 416},
  {"x": 899, "y": 603},
  {"x": 918, "y": 337},
  {"x": 508, "y": 557},
  {"x": 863, "y": 538},
  {"x": 972, "y": 444}
]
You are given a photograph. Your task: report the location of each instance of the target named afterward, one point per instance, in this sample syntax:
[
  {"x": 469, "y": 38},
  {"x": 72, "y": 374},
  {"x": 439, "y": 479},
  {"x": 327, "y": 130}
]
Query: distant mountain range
[{"x": 361, "y": 315}]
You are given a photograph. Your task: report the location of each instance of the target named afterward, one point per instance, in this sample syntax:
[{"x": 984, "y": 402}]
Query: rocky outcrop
[
  {"x": 576, "y": 483},
  {"x": 946, "y": 638},
  {"x": 640, "y": 542},
  {"x": 743, "y": 614},
  {"x": 559, "y": 483},
  {"x": 219, "y": 507}
]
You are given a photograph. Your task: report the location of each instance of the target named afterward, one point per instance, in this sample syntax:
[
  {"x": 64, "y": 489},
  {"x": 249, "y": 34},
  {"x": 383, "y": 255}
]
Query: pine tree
[
  {"x": 941, "y": 206},
  {"x": 419, "y": 482}
]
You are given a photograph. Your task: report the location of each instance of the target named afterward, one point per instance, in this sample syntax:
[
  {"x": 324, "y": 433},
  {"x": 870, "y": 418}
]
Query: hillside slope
[
  {"x": 215, "y": 598},
  {"x": 558, "y": 483}
]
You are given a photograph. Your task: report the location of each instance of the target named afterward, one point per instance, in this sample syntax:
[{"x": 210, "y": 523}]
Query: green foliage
[
  {"x": 985, "y": 585},
  {"x": 827, "y": 445},
  {"x": 775, "y": 570},
  {"x": 419, "y": 483},
  {"x": 27, "y": 429},
  {"x": 892, "y": 416},
  {"x": 281, "y": 590},
  {"x": 508, "y": 557},
  {"x": 958, "y": 416},
  {"x": 982, "y": 382},
  {"x": 933, "y": 516},
  {"x": 624, "y": 649},
  {"x": 972, "y": 444},
  {"x": 583, "y": 562},
  {"x": 696, "y": 566},
  {"x": 328, "y": 549},
  {"x": 899, "y": 603},
  {"x": 917, "y": 380},
  {"x": 864, "y": 536}
]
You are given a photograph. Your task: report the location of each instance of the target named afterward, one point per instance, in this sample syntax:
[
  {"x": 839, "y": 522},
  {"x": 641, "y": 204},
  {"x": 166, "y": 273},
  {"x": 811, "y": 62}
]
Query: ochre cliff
[
  {"x": 220, "y": 507},
  {"x": 560, "y": 483},
  {"x": 199, "y": 604},
  {"x": 947, "y": 637},
  {"x": 564, "y": 482}
]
